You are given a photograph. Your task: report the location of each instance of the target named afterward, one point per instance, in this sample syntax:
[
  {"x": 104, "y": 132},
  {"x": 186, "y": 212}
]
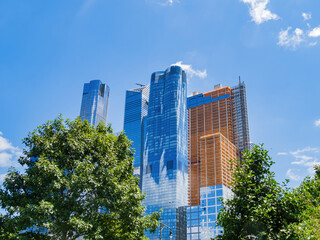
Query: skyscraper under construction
[{"x": 217, "y": 132}]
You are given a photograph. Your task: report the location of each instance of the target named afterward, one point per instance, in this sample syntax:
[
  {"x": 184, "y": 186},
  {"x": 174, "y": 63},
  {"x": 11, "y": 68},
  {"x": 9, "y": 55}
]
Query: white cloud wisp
[
  {"x": 282, "y": 153},
  {"x": 307, "y": 157},
  {"x": 315, "y": 32},
  {"x": 317, "y": 123},
  {"x": 167, "y": 2},
  {"x": 8, "y": 153},
  {"x": 306, "y": 16},
  {"x": 292, "y": 175},
  {"x": 2, "y": 177},
  {"x": 305, "y": 160},
  {"x": 190, "y": 71},
  {"x": 291, "y": 40},
  {"x": 259, "y": 12}
]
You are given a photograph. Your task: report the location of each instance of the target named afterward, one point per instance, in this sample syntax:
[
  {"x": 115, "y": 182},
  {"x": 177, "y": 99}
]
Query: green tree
[
  {"x": 260, "y": 208},
  {"x": 7, "y": 228},
  {"x": 308, "y": 195},
  {"x": 78, "y": 182}
]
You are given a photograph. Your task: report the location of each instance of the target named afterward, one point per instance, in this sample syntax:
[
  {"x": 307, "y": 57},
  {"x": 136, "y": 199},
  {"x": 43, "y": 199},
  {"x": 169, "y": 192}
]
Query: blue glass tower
[
  {"x": 136, "y": 109},
  {"x": 165, "y": 162},
  {"x": 95, "y": 100}
]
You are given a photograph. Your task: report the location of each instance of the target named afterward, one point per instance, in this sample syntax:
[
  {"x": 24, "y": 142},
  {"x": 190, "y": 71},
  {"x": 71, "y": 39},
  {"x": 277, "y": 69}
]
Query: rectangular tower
[
  {"x": 213, "y": 118},
  {"x": 136, "y": 109},
  {"x": 240, "y": 117},
  {"x": 95, "y": 100},
  {"x": 165, "y": 168}
]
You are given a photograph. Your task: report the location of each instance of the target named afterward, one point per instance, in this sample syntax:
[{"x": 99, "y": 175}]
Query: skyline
[{"x": 50, "y": 50}]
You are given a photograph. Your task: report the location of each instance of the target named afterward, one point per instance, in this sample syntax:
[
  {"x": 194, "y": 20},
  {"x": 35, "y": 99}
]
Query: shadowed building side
[
  {"x": 136, "y": 110},
  {"x": 240, "y": 117}
]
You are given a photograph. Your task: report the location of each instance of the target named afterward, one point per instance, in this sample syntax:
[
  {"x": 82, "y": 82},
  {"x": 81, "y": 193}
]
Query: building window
[
  {"x": 149, "y": 168},
  {"x": 169, "y": 164}
]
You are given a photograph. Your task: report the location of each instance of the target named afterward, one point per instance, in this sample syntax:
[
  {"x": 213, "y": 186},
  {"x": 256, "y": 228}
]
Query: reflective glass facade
[
  {"x": 216, "y": 126},
  {"x": 165, "y": 162},
  {"x": 240, "y": 117},
  {"x": 95, "y": 100},
  {"x": 202, "y": 219},
  {"x": 136, "y": 109}
]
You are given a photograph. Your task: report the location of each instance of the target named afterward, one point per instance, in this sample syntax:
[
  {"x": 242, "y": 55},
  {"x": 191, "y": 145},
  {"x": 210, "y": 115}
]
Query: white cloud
[
  {"x": 282, "y": 153},
  {"x": 292, "y": 175},
  {"x": 2, "y": 177},
  {"x": 311, "y": 170},
  {"x": 317, "y": 123},
  {"x": 5, "y": 144},
  {"x": 291, "y": 40},
  {"x": 5, "y": 159},
  {"x": 167, "y": 2},
  {"x": 306, "y": 16},
  {"x": 306, "y": 157},
  {"x": 312, "y": 44},
  {"x": 190, "y": 71},
  {"x": 259, "y": 12},
  {"x": 314, "y": 32},
  {"x": 302, "y": 160},
  {"x": 8, "y": 153},
  {"x": 306, "y": 149}
]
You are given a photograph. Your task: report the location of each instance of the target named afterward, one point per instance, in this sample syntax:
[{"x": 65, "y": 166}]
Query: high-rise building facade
[
  {"x": 213, "y": 118},
  {"x": 95, "y": 100},
  {"x": 240, "y": 117},
  {"x": 165, "y": 161},
  {"x": 136, "y": 110}
]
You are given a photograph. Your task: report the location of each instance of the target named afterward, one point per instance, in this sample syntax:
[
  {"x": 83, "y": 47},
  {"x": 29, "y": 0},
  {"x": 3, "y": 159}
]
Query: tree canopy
[
  {"x": 78, "y": 182},
  {"x": 308, "y": 196},
  {"x": 260, "y": 208}
]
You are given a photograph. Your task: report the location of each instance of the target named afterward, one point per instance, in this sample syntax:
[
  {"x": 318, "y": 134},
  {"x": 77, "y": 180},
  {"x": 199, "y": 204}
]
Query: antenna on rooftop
[
  {"x": 139, "y": 84},
  {"x": 239, "y": 80}
]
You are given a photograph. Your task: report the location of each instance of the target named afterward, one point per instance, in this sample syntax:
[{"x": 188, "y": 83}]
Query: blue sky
[{"x": 49, "y": 49}]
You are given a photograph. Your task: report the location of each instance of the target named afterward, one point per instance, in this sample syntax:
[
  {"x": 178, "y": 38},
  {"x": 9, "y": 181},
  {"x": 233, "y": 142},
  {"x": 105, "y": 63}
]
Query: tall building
[
  {"x": 218, "y": 132},
  {"x": 136, "y": 110},
  {"x": 240, "y": 117},
  {"x": 95, "y": 100},
  {"x": 165, "y": 162}
]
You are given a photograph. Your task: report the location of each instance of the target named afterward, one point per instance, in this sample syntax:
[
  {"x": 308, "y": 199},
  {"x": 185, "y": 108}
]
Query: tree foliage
[
  {"x": 260, "y": 208},
  {"x": 308, "y": 195},
  {"x": 78, "y": 182}
]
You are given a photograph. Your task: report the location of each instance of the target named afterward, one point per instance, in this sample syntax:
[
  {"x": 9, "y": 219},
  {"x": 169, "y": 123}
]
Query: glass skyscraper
[
  {"x": 136, "y": 110},
  {"x": 218, "y": 132},
  {"x": 95, "y": 100},
  {"x": 165, "y": 161},
  {"x": 240, "y": 117}
]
